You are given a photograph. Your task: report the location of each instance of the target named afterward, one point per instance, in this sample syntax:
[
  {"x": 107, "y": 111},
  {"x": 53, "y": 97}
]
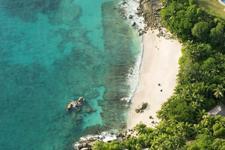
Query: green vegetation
[
  {"x": 201, "y": 85},
  {"x": 213, "y": 7}
]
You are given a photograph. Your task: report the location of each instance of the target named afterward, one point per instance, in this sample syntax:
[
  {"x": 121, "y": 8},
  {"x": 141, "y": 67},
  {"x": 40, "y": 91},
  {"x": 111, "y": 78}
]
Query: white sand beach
[{"x": 159, "y": 66}]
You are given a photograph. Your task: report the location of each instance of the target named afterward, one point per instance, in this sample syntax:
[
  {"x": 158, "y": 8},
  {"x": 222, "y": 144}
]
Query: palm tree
[{"x": 219, "y": 92}]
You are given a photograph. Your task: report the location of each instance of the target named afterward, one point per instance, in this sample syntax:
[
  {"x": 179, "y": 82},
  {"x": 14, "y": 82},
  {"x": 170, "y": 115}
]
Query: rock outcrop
[
  {"x": 86, "y": 142},
  {"x": 141, "y": 108},
  {"x": 75, "y": 104},
  {"x": 130, "y": 11}
]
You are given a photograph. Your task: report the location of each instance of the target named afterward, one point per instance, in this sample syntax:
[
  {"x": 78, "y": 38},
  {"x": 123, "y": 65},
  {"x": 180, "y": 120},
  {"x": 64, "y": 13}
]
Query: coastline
[
  {"x": 159, "y": 82},
  {"x": 159, "y": 65},
  {"x": 221, "y": 2},
  {"x": 158, "y": 53}
]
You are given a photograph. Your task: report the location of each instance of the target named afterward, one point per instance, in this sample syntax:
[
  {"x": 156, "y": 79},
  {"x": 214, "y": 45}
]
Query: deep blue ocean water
[{"x": 52, "y": 51}]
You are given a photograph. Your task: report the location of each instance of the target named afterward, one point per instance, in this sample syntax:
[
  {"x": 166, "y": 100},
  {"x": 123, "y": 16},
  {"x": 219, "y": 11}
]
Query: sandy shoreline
[{"x": 159, "y": 66}]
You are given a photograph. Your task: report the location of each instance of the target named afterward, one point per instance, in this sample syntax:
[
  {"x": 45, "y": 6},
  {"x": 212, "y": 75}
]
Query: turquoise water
[{"x": 52, "y": 51}]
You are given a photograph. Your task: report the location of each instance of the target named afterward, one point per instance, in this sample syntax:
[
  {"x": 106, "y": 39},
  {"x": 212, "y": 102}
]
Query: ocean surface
[{"x": 52, "y": 51}]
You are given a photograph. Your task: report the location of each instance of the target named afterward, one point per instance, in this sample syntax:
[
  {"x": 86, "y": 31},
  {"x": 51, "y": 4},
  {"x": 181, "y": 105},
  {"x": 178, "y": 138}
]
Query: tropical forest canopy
[{"x": 200, "y": 86}]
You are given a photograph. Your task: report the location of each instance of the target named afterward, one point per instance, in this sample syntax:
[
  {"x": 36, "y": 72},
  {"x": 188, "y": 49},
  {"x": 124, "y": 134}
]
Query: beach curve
[{"x": 157, "y": 78}]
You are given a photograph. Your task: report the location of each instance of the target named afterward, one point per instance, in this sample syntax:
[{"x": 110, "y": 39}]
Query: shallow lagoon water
[{"x": 52, "y": 51}]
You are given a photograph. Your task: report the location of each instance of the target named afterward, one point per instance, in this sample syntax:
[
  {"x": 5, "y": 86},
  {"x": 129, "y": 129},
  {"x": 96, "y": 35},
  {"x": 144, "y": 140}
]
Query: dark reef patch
[
  {"x": 23, "y": 8},
  {"x": 28, "y": 10}
]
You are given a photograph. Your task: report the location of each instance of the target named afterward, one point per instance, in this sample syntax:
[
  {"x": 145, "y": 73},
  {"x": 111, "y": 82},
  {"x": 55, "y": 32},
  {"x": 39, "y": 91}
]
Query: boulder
[
  {"x": 141, "y": 108},
  {"x": 134, "y": 24}
]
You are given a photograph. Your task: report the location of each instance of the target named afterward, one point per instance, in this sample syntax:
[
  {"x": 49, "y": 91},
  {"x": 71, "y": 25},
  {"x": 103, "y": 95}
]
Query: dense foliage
[{"x": 201, "y": 85}]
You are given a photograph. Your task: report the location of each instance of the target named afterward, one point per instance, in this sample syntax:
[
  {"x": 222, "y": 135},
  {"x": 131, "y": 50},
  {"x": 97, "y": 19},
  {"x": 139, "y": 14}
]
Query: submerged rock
[
  {"x": 89, "y": 110},
  {"x": 134, "y": 24},
  {"x": 131, "y": 17}
]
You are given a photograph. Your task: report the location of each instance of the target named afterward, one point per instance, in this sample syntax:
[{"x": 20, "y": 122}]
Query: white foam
[
  {"x": 222, "y": 2},
  {"x": 133, "y": 75},
  {"x": 130, "y": 8}
]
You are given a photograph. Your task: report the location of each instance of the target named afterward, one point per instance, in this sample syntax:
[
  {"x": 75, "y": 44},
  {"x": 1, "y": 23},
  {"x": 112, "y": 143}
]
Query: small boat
[{"x": 75, "y": 104}]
